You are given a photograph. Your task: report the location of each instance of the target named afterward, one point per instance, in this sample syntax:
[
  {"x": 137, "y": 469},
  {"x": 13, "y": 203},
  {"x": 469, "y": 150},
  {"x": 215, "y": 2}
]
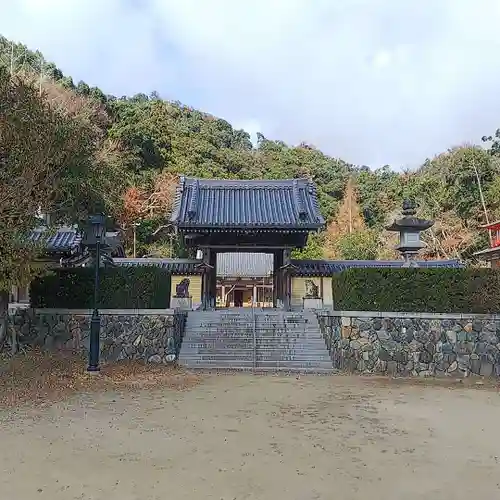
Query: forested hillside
[{"x": 140, "y": 144}]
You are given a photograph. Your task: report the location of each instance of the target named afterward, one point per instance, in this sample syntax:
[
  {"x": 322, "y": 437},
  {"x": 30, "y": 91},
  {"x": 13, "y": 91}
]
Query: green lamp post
[{"x": 95, "y": 240}]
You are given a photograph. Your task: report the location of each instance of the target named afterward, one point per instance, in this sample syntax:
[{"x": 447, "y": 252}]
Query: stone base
[
  {"x": 183, "y": 303},
  {"x": 312, "y": 303}
]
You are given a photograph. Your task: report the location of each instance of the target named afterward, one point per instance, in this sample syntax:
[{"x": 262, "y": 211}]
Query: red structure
[
  {"x": 494, "y": 229},
  {"x": 491, "y": 254}
]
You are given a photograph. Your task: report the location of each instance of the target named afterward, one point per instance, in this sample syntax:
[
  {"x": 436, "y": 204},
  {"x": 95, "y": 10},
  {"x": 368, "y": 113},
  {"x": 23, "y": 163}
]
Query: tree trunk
[
  {"x": 4, "y": 316},
  {"x": 226, "y": 297}
]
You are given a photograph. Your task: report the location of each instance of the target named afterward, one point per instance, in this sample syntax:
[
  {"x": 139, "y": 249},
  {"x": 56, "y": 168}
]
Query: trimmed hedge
[
  {"x": 120, "y": 288},
  {"x": 417, "y": 290}
]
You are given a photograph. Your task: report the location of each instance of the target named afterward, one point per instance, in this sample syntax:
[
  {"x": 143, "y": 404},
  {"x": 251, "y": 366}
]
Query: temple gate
[{"x": 227, "y": 216}]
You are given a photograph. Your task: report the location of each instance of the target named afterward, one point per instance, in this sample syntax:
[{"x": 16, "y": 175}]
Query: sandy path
[{"x": 258, "y": 437}]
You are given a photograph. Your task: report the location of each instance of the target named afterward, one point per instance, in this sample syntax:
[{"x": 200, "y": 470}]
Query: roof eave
[
  {"x": 491, "y": 225},
  {"x": 488, "y": 252},
  {"x": 183, "y": 227}
]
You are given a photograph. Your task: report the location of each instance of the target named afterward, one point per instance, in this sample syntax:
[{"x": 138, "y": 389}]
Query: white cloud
[
  {"x": 382, "y": 59},
  {"x": 253, "y": 127},
  {"x": 372, "y": 81}
]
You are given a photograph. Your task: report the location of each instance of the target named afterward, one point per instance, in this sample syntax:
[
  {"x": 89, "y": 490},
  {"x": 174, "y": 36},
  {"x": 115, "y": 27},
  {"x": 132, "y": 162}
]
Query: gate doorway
[
  {"x": 238, "y": 298},
  {"x": 244, "y": 279}
]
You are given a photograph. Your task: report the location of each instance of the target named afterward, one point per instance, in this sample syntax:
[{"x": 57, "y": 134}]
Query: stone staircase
[{"x": 258, "y": 339}]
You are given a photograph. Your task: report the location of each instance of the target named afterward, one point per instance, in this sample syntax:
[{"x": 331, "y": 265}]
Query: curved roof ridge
[{"x": 289, "y": 204}]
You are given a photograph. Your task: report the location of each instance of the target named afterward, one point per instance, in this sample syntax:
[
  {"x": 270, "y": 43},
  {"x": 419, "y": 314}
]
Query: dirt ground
[{"x": 243, "y": 436}]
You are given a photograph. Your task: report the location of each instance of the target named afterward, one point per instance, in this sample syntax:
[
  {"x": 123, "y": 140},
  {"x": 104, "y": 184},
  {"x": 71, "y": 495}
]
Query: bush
[
  {"x": 120, "y": 288},
  {"x": 418, "y": 290}
]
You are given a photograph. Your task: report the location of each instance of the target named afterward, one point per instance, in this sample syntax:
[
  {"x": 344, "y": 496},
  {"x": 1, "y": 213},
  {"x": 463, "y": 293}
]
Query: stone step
[
  {"x": 258, "y": 328},
  {"x": 235, "y": 364},
  {"x": 230, "y": 344},
  {"x": 198, "y": 347},
  {"x": 247, "y": 321},
  {"x": 249, "y": 351},
  {"x": 259, "y": 362},
  {"x": 249, "y": 317},
  {"x": 218, "y": 328},
  {"x": 313, "y": 350},
  {"x": 249, "y": 347},
  {"x": 203, "y": 363},
  {"x": 250, "y": 333},
  {"x": 271, "y": 341},
  {"x": 283, "y": 370},
  {"x": 255, "y": 340},
  {"x": 284, "y": 357}
]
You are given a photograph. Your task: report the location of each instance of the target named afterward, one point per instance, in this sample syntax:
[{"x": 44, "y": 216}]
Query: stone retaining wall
[
  {"x": 148, "y": 335},
  {"x": 413, "y": 344}
]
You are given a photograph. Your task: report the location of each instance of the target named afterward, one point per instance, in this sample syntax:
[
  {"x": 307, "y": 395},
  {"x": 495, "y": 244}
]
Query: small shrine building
[{"x": 491, "y": 254}]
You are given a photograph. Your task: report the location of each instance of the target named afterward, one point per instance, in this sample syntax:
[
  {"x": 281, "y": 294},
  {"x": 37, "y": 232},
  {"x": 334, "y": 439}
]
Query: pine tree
[{"x": 348, "y": 221}]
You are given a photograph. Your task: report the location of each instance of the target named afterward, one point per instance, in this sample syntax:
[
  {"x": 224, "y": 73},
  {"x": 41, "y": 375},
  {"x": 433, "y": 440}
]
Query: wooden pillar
[
  {"x": 210, "y": 281},
  {"x": 278, "y": 262},
  {"x": 254, "y": 298},
  {"x": 213, "y": 278},
  {"x": 207, "y": 279},
  {"x": 287, "y": 279},
  {"x": 278, "y": 278}
]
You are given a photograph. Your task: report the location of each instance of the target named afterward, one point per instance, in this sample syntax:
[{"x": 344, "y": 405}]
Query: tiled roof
[
  {"x": 228, "y": 264},
  {"x": 85, "y": 258},
  {"x": 244, "y": 265},
  {"x": 63, "y": 241},
  {"x": 174, "y": 266},
  {"x": 242, "y": 205},
  {"x": 329, "y": 267},
  {"x": 259, "y": 265},
  {"x": 68, "y": 240}
]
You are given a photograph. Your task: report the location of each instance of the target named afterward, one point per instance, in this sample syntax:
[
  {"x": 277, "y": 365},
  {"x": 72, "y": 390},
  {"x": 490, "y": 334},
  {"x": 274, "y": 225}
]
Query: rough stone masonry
[
  {"x": 414, "y": 345},
  {"x": 144, "y": 335}
]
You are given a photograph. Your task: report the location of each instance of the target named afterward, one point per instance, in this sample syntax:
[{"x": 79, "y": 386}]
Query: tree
[
  {"x": 145, "y": 211},
  {"x": 137, "y": 139},
  {"x": 38, "y": 148},
  {"x": 378, "y": 192},
  {"x": 358, "y": 245},
  {"x": 313, "y": 249},
  {"x": 456, "y": 180},
  {"x": 448, "y": 238},
  {"x": 347, "y": 231},
  {"x": 134, "y": 205},
  {"x": 494, "y": 142},
  {"x": 96, "y": 176}
]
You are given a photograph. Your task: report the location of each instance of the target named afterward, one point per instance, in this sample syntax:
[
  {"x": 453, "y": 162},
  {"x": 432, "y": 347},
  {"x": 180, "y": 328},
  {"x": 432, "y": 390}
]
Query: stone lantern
[{"x": 409, "y": 228}]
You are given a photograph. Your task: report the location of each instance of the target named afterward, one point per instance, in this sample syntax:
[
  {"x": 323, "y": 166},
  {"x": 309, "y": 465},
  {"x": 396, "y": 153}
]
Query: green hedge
[
  {"x": 418, "y": 290},
  {"x": 120, "y": 288}
]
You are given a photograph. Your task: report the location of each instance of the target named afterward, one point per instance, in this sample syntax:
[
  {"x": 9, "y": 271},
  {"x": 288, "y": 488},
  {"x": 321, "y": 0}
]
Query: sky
[{"x": 373, "y": 82}]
